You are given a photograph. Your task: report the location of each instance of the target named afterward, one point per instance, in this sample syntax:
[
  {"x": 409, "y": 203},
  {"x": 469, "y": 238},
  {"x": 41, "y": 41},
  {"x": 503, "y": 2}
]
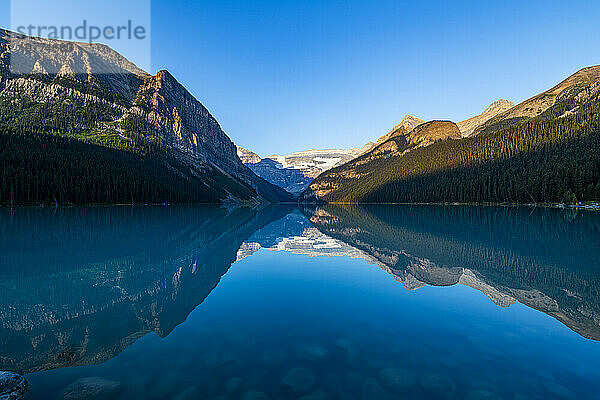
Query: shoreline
[{"x": 589, "y": 206}]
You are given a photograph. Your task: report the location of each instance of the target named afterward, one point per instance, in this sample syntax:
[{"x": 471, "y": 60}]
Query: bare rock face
[
  {"x": 24, "y": 55},
  {"x": 407, "y": 124},
  {"x": 314, "y": 162},
  {"x": 467, "y": 127},
  {"x": 294, "y": 172},
  {"x": 246, "y": 156},
  {"x": 568, "y": 97},
  {"x": 186, "y": 124},
  {"x": 344, "y": 176},
  {"x": 433, "y": 131},
  {"x": 48, "y": 70}
]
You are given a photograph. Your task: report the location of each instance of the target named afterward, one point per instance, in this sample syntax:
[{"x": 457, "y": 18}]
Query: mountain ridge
[
  {"x": 525, "y": 154},
  {"x": 117, "y": 106}
]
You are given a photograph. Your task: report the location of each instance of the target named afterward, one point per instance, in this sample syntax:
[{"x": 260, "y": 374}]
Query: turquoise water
[{"x": 386, "y": 302}]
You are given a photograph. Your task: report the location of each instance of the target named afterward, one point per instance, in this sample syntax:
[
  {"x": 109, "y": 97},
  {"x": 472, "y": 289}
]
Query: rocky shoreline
[{"x": 12, "y": 386}]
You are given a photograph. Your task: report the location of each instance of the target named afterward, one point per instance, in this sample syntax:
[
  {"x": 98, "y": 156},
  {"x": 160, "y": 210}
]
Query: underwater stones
[
  {"x": 12, "y": 386},
  {"x": 349, "y": 349},
  {"x": 190, "y": 393},
  {"x": 272, "y": 357},
  {"x": 482, "y": 395},
  {"x": 521, "y": 397},
  {"x": 559, "y": 391},
  {"x": 95, "y": 388},
  {"x": 254, "y": 395},
  {"x": 299, "y": 380},
  {"x": 233, "y": 385},
  {"x": 163, "y": 385},
  {"x": 371, "y": 389},
  {"x": 313, "y": 352},
  {"x": 207, "y": 385},
  {"x": 135, "y": 389},
  {"x": 437, "y": 385},
  {"x": 317, "y": 395},
  {"x": 397, "y": 380}
]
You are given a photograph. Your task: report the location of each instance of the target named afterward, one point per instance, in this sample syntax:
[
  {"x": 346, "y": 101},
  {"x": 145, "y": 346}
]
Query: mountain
[
  {"x": 294, "y": 172},
  {"x": 544, "y": 150},
  {"x": 313, "y": 162},
  {"x": 566, "y": 98},
  {"x": 345, "y": 182},
  {"x": 246, "y": 156},
  {"x": 81, "y": 124},
  {"x": 468, "y": 126},
  {"x": 407, "y": 124}
]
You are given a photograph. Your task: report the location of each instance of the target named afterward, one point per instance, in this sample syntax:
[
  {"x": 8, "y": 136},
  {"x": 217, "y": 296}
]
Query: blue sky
[{"x": 283, "y": 76}]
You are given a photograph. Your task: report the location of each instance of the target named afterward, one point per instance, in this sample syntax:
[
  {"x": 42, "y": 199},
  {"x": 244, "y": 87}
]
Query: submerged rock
[
  {"x": 12, "y": 386},
  {"x": 190, "y": 393},
  {"x": 482, "y": 395},
  {"x": 559, "y": 391},
  {"x": 300, "y": 380},
  {"x": 313, "y": 352},
  {"x": 318, "y": 395},
  {"x": 437, "y": 385},
  {"x": 95, "y": 388},
  {"x": 254, "y": 395},
  {"x": 371, "y": 389},
  {"x": 397, "y": 380},
  {"x": 233, "y": 385}
]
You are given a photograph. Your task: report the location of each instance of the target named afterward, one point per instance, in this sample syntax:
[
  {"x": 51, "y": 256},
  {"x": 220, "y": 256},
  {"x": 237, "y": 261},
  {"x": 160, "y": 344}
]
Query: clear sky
[{"x": 283, "y": 76}]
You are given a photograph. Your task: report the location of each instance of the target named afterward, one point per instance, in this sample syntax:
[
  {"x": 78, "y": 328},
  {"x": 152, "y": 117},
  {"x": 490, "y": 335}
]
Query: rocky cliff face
[
  {"x": 407, "y": 124},
  {"x": 25, "y": 56},
  {"x": 568, "y": 97},
  {"x": 314, "y": 162},
  {"x": 53, "y": 71},
  {"x": 246, "y": 156},
  {"x": 332, "y": 183},
  {"x": 468, "y": 126},
  {"x": 294, "y": 172}
]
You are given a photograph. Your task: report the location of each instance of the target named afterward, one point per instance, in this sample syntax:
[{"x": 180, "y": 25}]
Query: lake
[{"x": 311, "y": 303}]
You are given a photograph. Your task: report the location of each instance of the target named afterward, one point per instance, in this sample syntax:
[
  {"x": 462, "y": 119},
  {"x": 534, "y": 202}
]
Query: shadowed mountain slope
[{"x": 141, "y": 133}]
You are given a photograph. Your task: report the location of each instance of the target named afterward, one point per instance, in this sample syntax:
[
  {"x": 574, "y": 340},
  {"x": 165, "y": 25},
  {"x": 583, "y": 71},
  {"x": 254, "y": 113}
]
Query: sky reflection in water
[{"x": 152, "y": 304}]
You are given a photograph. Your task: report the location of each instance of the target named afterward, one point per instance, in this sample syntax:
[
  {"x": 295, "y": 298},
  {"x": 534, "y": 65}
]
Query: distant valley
[
  {"x": 294, "y": 172},
  {"x": 543, "y": 150}
]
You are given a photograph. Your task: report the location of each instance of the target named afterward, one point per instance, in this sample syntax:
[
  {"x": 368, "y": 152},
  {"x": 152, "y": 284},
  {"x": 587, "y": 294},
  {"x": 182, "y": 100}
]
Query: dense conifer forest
[
  {"x": 542, "y": 160},
  {"x": 65, "y": 152}
]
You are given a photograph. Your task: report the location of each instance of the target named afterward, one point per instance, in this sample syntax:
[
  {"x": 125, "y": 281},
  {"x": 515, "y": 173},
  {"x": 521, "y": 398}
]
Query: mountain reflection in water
[{"x": 78, "y": 286}]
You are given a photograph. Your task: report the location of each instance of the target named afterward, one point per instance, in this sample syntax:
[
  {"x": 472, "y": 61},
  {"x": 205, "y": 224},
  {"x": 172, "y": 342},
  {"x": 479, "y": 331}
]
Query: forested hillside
[
  {"x": 93, "y": 128},
  {"x": 554, "y": 157}
]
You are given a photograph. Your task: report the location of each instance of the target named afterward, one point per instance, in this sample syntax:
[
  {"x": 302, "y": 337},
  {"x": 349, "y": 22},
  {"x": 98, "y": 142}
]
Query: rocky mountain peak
[
  {"x": 433, "y": 131},
  {"x": 498, "y": 106},
  {"x": 468, "y": 126},
  {"x": 408, "y": 123},
  {"x": 247, "y": 156}
]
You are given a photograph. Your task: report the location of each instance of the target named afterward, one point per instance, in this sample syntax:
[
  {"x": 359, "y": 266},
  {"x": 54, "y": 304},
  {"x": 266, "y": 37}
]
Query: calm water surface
[{"x": 386, "y": 302}]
